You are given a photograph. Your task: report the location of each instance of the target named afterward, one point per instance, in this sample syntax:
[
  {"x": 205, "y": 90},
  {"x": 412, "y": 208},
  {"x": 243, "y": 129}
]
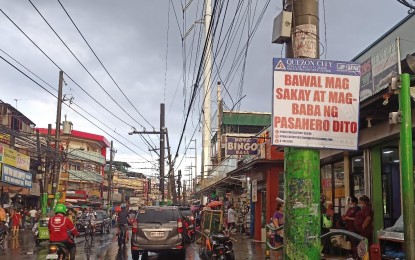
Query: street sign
[{"x": 315, "y": 103}]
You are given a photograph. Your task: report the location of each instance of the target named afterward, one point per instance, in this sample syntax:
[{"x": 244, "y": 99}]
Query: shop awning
[{"x": 85, "y": 176}]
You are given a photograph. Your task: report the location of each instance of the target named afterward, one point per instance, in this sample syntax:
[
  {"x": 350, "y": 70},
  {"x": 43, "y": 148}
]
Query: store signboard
[
  {"x": 254, "y": 190},
  {"x": 13, "y": 158},
  {"x": 241, "y": 146},
  {"x": 16, "y": 176},
  {"x": 376, "y": 71},
  {"x": 315, "y": 103}
]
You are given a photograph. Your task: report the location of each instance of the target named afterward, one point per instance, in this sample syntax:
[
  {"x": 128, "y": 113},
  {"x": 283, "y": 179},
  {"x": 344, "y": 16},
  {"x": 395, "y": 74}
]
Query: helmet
[
  {"x": 122, "y": 206},
  {"x": 60, "y": 208}
]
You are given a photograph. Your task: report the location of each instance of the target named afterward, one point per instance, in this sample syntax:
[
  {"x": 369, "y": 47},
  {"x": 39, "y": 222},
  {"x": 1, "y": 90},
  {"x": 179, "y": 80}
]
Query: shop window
[
  {"x": 326, "y": 181},
  {"x": 339, "y": 193},
  {"x": 357, "y": 179}
]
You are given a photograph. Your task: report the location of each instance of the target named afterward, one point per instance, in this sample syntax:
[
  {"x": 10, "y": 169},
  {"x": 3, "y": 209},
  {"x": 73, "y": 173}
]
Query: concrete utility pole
[
  {"x": 206, "y": 101},
  {"x": 179, "y": 184},
  {"x": 172, "y": 184},
  {"x": 109, "y": 195},
  {"x": 302, "y": 226},
  {"x": 219, "y": 132},
  {"x": 44, "y": 198},
  {"x": 162, "y": 127},
  {"x": 57, "y": 159}
]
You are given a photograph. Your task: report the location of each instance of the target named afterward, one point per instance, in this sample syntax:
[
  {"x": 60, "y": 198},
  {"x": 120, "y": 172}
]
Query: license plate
[
  {"x": 157, "y": 234},
  {"x": 52, "y": 256}
]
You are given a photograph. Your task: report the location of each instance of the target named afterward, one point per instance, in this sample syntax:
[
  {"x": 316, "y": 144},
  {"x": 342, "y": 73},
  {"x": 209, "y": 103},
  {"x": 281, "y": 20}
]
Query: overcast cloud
[{"x": 130, "y": 39}]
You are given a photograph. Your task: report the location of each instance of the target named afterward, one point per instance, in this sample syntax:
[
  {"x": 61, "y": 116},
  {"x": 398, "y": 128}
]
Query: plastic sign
[
  {"x": 241, "y": 146},
  {"x": 315, "y": 103}
]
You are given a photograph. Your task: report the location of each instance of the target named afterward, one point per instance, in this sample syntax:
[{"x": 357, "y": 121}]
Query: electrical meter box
[{"x": 281, "y": 31}]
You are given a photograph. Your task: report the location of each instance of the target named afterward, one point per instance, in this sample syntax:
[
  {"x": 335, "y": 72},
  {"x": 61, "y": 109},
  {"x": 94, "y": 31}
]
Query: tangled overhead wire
[{"x": 410, "y": 6}]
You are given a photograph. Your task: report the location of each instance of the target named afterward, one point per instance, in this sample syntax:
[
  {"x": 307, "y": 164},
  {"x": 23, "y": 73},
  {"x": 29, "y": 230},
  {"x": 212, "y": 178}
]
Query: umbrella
[
  {"x": 84, "y": 206},
  {"x": 118, "y": 209},
  {"x": 214, "y": 204}
]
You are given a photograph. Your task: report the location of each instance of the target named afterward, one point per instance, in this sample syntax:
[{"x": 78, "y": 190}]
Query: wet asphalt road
[{"x": 105, "y": 247}]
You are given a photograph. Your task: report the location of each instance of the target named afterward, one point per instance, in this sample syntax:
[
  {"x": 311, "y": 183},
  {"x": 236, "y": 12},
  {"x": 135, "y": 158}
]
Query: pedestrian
[
  {"x": 363, "y": 219},
  {"x": 278, "y": 221},
  {"x": 350, "y": 215},
  {"x": 16, "y": 222},
  {"x": 231, "y": 217},
  {"x": 32, "y": 214},
  {"x": 113, "y": 219},
  {"x": 324, "y": 228}
]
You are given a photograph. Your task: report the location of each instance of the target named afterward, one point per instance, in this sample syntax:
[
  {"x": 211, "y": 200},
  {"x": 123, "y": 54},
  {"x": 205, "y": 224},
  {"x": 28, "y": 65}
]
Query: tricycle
[{"x": 40, "y": 230}]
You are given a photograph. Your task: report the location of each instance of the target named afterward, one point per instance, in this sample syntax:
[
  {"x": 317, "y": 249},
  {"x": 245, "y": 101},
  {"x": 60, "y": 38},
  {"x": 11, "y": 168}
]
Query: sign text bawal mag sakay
[{"x": 315, "y": 103}]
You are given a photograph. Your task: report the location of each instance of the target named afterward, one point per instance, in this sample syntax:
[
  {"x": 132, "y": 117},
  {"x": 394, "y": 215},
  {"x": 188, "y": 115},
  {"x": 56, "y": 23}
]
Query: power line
[
  {"x": 83, "y": 66},
  {"x": 99, "y": 60}
]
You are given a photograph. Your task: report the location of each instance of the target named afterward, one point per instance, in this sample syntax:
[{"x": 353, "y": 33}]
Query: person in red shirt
[
  {"x": 363, "y": 219},
  {"x": 350, "y": 215},
  {"x": 58, "y": 226},
  {"x": 16, "y": 220}
]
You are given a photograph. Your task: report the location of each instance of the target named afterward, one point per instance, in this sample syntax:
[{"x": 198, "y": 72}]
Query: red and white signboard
[{"x": 315, "y": 103}]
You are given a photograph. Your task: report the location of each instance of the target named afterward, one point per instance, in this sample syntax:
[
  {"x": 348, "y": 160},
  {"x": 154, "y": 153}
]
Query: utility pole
[
  {"x": 109, "y": 195},
  {"x": 44, "y": 198},
  {"x": 57, "y": 160},
  {"x": 219, "y": 132},
  {"x": 302, "y": 165},
  {"x": 179, "y": 184},
  {"x": 172, "y": 184},
  {"x": 407, "y": 167},
  {"x": 162, "y": 152},
  {"x": 207, "y": 99}
]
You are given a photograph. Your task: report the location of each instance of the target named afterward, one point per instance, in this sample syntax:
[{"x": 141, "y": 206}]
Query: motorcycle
[
  {"x": 122, "y": 236},
  {"x": 190, "y": 234},
  {"x": 41, "y": 231},
  {"x": 58, "y": 251},
  {"x": 217, "y": 247},
  {"x": 89, "y": 230}
]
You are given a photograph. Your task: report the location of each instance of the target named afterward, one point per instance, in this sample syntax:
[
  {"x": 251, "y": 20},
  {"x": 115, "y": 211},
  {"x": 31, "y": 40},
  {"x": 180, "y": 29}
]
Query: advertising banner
[
  {"x": 377, "y": 69},
  {"x": 16, "y": 177},
  {"x": 241, "y": 146},
  {"x": 315, "y": 103},
  {"x": 14, "y": 158},
  {"x": 254, "y": 191}
]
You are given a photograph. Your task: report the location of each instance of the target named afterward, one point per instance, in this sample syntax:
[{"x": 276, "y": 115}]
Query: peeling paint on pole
[{"x": 302, "y": 188}]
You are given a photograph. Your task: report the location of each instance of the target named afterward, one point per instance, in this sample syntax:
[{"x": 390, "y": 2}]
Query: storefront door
[{"x": 391, "y": 189}]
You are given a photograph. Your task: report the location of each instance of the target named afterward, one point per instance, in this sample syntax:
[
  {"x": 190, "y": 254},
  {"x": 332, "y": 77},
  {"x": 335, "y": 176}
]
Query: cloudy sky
[{"x": 140, "y": 44}]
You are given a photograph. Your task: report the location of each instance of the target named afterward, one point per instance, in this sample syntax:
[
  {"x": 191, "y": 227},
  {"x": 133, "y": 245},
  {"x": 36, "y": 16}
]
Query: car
[
  {"x": 158, "y": 229},
  {"x": 102, "y": 221}
]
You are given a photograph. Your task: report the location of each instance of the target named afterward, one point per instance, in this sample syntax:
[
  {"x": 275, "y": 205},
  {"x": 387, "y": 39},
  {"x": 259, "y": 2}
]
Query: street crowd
[{"x": 16, "y": 219}]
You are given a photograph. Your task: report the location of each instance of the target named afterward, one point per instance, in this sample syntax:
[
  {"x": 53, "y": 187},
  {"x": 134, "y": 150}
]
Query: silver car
[{"x": 158, "y": 229}]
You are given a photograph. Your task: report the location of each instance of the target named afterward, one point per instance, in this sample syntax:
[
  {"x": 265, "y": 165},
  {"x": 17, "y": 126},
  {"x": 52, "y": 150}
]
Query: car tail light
[
  {"x": 134, "y": 227},
  {"x": 180, "y": 225},
  {"x": 53, "y": 249}
]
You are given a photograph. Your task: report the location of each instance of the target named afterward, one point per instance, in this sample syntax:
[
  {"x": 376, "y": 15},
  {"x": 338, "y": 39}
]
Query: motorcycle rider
[
  {"x": 59, "y": 226},
  {"x": 123, "y": 219}
]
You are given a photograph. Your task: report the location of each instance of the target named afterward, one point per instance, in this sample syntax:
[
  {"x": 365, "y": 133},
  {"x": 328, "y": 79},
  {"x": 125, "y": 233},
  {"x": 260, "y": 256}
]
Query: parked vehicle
[
  {"x": 157, "y": 229},
  {"x": 58, "y": 251},
  {"x": 102, "y": 222},
  {"x": 217, "y": 246}
]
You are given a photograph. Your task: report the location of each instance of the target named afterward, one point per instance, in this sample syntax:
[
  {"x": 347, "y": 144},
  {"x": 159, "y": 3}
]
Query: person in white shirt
[
  {"x": 32, "y": 213},
  {"x": 231, "y": 217}
]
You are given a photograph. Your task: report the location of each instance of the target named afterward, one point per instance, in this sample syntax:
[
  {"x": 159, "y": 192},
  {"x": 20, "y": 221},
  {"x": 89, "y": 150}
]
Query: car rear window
[
  {"x": 186, "y": 213},
  {"x": 100, "y": 214},
  {"x": 157, "y": 215}
]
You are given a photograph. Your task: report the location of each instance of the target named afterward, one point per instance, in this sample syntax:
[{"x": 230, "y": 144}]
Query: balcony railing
[
  {"x": 219, "y": 172},
  {"x": 74, "y": 154}
]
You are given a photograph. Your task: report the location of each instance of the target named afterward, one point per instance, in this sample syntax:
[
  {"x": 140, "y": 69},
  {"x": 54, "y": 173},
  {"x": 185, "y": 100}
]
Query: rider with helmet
[
  {"x": 59, "y": 226},
  {"x": 123, "y": 219}
]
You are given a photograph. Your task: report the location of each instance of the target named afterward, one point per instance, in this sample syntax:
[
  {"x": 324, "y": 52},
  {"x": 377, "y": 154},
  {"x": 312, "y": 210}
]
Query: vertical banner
[
  {"x": 315, "y": 103},
  {"x": 254, "y": 190}
]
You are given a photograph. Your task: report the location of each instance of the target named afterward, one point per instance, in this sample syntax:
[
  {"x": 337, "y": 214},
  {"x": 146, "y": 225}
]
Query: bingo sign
[
  {"x": 241, "y": 146},
  {"x": 315, "y": 103}
]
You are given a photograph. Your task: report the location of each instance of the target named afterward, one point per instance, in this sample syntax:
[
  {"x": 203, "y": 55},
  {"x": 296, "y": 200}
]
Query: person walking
[
  {"x": 32, "y": 213},
  {"x": 231, "y": 217},
  {"x": 363, "y": 222},
  {"x": 278, "y": 221},
  {"x": 16, "y": 222}
]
